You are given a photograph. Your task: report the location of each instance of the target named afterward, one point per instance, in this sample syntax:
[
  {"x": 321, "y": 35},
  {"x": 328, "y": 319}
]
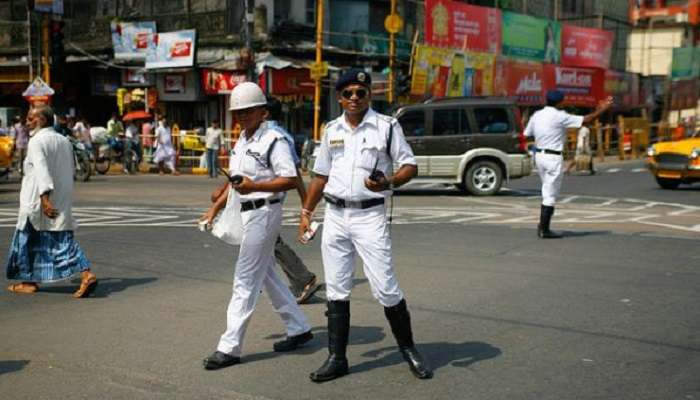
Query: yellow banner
[{"x": 471, "y": 74}]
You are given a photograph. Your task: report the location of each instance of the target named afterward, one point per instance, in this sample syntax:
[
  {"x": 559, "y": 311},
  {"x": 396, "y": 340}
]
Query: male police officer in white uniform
[
  {"x": 548, "y": 126},
  {"x": 267, "y": 170},
  {"x": 354, "y": 146}
]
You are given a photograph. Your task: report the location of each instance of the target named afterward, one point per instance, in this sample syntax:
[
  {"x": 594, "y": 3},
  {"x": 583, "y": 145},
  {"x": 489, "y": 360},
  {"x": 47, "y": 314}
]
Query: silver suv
[{"x": 474, "y": 143}]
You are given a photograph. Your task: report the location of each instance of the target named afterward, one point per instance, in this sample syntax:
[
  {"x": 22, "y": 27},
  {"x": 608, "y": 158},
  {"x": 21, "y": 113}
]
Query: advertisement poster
[
  {"x": 521, "y": 80},
  {"x": 131, "y": 39},
  {"x": 686, "y": 63},
  {"x": 174, "y": 83},
  {"x": 171, "y": 49},
  {"x": 426, "y": 69},
  {"x": 586, "y": 47},
  {"x": 455, "y": 85},
  {"x": 623, "y": 87},
  {"x": 292, "y": 81},
  {"x": 220, "y": 82},
  {"x": 531, "y": 38},
  {"x": 582, "y": 86},
  {"x": 462, "y": 26},
  {"x": 435, "y": 72}
]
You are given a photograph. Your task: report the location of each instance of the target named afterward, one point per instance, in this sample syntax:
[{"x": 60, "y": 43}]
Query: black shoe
[
  {"x": 543, "y": 231},
  {"x": 416, "y": 363},
  {"x": 292, "y": 342},
  {"x": 220, "y": 360},
  {"x": 334, "y": 367}
]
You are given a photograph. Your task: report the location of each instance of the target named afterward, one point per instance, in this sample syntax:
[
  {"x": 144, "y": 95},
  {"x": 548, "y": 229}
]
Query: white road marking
[
  {"x": 612, "y": 170},
  {"x": 639, "y": 170}
]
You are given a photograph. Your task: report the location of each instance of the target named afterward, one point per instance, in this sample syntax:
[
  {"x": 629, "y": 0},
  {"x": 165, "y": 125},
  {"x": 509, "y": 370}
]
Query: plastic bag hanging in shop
[{"x": 228, "y": 225}]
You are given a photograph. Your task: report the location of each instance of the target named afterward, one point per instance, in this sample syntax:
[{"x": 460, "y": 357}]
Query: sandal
[
  {"x": 87, "y": 285},
  {"x": 23, "y": 288}
]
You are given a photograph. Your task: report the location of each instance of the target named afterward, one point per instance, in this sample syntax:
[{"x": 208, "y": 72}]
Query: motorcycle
[
  {"x": 81, "y": 159},
  {"x": 116, "y": 151}
]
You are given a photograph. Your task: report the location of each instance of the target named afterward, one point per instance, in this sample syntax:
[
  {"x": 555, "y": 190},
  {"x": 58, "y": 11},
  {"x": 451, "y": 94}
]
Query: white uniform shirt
[
  {"x": 213, "y": 138},
  {"x": 347, "y": 157},
  {"x": 549, "y": 125},
  {"x": 249, "y": 158},
  {"x": 48, "y": 167}
]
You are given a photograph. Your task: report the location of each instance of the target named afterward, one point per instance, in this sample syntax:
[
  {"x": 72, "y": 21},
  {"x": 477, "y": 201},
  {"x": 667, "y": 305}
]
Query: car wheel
[
  {"x": 483, "y": 178},
  {"x": 668, "y": 183}
]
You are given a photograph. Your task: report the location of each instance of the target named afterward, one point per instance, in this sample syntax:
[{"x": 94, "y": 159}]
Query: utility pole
[
  {"x": 392, "y": 56},
  {"x": 556, "y": 10},
  {"x": 45, "y": 48},
  {"x": 29, "y": 43},
  {"x": 317, "y": 84}
]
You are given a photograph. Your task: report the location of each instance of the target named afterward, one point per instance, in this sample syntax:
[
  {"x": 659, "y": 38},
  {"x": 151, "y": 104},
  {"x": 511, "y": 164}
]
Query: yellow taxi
[{"x": 674, "y": 163}]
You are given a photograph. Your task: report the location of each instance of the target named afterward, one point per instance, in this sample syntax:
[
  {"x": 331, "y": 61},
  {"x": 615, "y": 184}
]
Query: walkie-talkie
[
  {"x": 236, "y": 179},
  {"x": 376, "y": 175}
]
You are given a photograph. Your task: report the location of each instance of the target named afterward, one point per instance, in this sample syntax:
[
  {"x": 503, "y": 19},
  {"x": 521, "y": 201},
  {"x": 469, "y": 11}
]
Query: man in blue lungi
[{"x": 43, "y": 248}]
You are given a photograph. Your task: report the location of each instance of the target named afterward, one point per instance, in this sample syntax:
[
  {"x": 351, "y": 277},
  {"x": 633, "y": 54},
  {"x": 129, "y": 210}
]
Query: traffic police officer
[
  {"x": 353, "y": 174},
  {"x": 548, "y": 126},
  {"x": 268, "y": 171}
]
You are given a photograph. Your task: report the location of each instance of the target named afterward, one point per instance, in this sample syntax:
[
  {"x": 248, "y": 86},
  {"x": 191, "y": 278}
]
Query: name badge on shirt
[{"x": 336, "y": 143}]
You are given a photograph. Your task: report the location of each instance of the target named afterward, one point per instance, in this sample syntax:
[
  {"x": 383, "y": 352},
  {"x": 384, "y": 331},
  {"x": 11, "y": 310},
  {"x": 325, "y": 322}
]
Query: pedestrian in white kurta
[
  {"x": 548, "y": 126},
  {"x": 165, "y": 153},
  {"x": 262, "y": 158},
  {"x": 354, "y": 174},
  {"x": 43, "y": 247}
]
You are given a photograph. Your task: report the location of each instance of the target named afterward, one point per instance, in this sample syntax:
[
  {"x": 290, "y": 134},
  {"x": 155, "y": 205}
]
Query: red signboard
[
  {"x": 462, "y": 26},
  {"x": 586, "y": 47},
  {"x": 641, "y": 9},
  {"x": 288, "y": 81},
  {"x": 522, "y": 80},
  {"x": 623, "y": 87},
  {"x": 582, "y": 86},
  {"x": 221, "y": 82}
]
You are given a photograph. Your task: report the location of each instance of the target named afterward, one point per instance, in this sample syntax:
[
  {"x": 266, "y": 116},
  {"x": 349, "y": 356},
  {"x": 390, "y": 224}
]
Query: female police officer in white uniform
[
  {"x": 267, "y": 170},
  {"x": 354, "y": 145},
  {"x": 548, "y": 126}
]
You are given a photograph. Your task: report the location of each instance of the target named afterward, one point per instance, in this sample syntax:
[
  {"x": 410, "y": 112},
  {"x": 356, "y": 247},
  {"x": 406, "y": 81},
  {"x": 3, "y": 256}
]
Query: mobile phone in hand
[{"x": 309, "y": 234}]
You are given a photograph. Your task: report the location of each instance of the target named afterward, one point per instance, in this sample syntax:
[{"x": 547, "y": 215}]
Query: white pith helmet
[{"x": 247, "y": 95}]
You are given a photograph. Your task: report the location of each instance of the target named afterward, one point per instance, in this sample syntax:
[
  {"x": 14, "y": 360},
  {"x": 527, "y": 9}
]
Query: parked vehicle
[
  {"x": 82, "y": 160},
  {"x": 473, "y": 143},
  {"x": 675, "y": 163}
]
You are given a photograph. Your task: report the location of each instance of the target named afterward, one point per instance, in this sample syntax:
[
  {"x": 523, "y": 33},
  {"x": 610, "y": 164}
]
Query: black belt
[
  {"x": 547, "y": 151},
  {"x": 254, "y": 204},
  {"x": 361, "y": 204}
]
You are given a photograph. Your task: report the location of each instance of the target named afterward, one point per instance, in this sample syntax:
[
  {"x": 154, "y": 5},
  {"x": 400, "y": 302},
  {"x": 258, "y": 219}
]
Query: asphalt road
[{"x": 609, "y": 312}]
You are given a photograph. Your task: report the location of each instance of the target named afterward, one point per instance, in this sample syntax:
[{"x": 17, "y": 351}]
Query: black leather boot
[
  {"x": 336, "y": 365},
  {"x": 543, "y": 231},
  {"x": 400, "y": 321}
]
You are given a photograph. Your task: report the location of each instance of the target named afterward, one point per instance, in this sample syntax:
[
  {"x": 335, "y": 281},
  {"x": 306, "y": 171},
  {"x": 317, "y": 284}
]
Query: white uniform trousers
[
  {"x": 550, "y": 167},
  {"x": 255, "y": 269},
  {"x": 350, "y": 230}
]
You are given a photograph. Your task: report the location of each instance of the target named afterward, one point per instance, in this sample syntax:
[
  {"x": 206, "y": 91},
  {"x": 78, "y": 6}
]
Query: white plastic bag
[{"x": 228, "y": 225}]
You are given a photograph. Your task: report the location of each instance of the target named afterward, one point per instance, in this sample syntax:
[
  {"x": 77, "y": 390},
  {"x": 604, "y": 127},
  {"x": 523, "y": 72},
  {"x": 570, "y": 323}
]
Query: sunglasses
[{"x": 360, "y": 93}]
